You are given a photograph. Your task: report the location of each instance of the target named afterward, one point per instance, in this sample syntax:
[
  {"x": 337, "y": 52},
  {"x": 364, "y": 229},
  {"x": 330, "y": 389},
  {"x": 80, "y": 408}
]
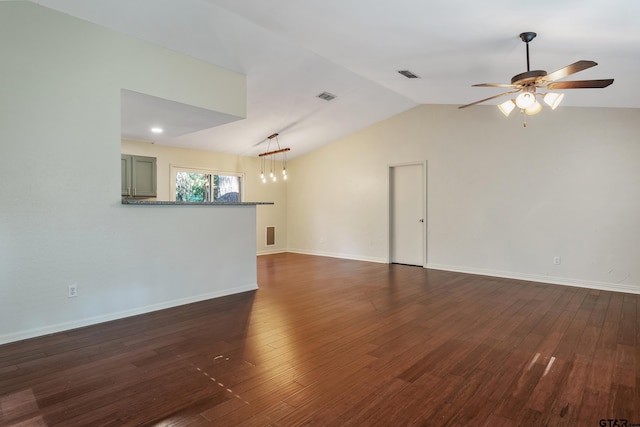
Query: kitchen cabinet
[{"x": 139, "y": 176}]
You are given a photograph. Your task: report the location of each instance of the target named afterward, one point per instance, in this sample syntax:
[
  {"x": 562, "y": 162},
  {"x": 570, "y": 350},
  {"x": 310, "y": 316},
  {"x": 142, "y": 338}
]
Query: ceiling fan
[{"x": 528, "y": 82}]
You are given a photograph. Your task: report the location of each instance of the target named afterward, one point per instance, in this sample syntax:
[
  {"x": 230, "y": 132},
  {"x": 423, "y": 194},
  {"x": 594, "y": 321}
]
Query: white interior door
[{"x": 407, "y": 205}]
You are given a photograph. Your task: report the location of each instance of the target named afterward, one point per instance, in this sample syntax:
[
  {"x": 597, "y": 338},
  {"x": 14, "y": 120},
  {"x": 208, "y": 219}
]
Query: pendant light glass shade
[
  {"x": 507, "y": 107},
  {"x": 553, "y": 99}
]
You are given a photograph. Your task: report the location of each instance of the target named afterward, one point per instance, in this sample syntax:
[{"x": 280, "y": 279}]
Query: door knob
[{"x": 421, "y": 220}]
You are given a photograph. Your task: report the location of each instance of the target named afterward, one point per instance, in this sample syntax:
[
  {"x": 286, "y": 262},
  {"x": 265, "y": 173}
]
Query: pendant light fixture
[{"x": 271, "y": 157}]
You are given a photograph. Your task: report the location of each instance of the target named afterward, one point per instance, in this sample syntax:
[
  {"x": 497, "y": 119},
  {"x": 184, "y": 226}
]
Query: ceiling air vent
[
  {"x": 326, "y": 96},
  {"x": 408, "y": 74}
]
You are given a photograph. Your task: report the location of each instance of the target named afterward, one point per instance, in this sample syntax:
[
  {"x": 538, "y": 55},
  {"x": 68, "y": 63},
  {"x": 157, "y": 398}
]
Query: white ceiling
[{"x": 292, "y": 50}]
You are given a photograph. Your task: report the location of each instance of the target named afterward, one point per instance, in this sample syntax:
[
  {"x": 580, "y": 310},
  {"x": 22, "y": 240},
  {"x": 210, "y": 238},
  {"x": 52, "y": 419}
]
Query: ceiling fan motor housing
[{"x": 528, "y": 77}]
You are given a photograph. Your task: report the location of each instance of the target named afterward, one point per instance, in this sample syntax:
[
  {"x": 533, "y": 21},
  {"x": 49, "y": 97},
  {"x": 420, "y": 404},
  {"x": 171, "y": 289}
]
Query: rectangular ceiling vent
[
  {"x": 326, "y": 96},
  {"x": 408, "y": 74}
]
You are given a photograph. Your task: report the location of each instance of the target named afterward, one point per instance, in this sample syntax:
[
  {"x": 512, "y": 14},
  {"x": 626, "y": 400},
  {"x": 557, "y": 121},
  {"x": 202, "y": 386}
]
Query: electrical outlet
[
  {"x": 73, "y": 291},
  {"x": 556, "y": 260}
]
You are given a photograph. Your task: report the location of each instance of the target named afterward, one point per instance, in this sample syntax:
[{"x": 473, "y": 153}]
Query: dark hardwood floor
[{"x": 337, "y": 342}]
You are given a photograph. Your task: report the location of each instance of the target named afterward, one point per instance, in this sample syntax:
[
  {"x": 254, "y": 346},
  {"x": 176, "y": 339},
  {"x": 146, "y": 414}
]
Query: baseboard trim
[
  {"x": 564, "y": 281},
  {"x": 603, "y": 286},
  {"x": 271, "y": 252},
  {"x": 66, "y": 326},
  {"x": 335, "y": 255}
]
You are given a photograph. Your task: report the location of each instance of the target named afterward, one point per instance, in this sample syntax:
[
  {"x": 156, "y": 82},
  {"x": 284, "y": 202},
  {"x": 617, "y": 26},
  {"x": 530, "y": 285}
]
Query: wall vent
[
  {"x": 270, "y": 236},
  {"x": 326, "y": 96},
  {"x": 408, "y": 74}
]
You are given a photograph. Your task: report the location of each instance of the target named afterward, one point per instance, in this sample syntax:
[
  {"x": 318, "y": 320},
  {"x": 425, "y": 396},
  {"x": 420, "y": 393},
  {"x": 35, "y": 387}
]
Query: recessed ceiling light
[{"x": 156, "y": 130}]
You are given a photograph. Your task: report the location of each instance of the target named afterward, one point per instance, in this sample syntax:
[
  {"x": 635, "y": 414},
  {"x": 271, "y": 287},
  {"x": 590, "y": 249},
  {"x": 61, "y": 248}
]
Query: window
[{"x": 202, "y": 185}]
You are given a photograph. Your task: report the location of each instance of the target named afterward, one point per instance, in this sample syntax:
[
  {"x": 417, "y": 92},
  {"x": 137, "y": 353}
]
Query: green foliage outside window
[
  {"x": 195, "y": 187},
  {"x": 192, "y": 187}
]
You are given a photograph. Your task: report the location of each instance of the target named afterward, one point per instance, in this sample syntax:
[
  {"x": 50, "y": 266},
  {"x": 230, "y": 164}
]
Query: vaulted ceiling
[{"x": 293, "y": 50}]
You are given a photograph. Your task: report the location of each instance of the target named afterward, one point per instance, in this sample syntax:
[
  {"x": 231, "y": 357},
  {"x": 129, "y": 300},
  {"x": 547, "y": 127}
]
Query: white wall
[
  {"x": 61, "y": 221},
  {"x": 502, "y": 199},
  {"x": 254, "y": 189}
]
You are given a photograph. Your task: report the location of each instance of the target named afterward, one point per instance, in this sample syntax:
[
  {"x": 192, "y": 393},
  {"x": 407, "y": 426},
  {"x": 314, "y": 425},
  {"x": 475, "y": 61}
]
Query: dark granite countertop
[{"x": 126, "y": 201}]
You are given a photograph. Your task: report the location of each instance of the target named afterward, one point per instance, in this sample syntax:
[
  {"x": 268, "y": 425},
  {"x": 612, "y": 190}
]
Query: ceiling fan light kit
[{"x": 525, "y": 84}]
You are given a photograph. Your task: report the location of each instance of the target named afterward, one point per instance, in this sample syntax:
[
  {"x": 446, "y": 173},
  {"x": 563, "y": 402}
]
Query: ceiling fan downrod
[{"x": 527, "y": 37}]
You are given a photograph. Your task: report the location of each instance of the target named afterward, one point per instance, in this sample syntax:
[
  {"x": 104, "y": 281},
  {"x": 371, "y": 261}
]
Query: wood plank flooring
[{"x": 330, "y": 342}]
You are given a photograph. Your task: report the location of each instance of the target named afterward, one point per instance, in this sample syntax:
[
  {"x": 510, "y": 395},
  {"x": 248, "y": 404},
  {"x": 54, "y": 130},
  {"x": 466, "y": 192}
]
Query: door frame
[{"x": 425, "y": 228}]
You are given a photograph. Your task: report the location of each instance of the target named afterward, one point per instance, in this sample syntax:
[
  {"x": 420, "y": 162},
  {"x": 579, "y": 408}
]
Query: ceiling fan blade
[
  {"x": 568, "y": 70},
  {"x": 495, "y": 85},
  {"x": 580, "y": 84},
  {"x": 489, "y": 99}
]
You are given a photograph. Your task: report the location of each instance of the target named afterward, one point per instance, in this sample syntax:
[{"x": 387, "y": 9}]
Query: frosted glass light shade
[
  {"x": 525, "y": 100},
  {"x": 534, "y": 109},
  {"x": 507, "y": 107},
  {"x": 553, "y": 99}
]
